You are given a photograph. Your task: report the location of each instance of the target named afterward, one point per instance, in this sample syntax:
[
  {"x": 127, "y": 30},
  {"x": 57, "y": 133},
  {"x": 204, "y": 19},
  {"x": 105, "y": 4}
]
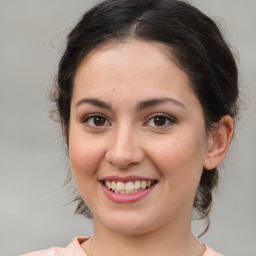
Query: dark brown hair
[{"x": 194, "y": 41}]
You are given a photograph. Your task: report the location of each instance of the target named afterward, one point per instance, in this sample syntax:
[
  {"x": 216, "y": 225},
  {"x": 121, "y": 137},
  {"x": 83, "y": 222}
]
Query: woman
[{"x": 147, "y": 97}]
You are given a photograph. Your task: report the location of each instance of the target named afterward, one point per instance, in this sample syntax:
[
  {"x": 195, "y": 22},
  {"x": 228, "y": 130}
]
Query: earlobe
[{"x": 218, "y": 142}]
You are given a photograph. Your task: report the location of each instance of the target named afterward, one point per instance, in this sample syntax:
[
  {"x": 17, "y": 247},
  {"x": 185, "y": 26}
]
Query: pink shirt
[{"x": 74, "y": 248}]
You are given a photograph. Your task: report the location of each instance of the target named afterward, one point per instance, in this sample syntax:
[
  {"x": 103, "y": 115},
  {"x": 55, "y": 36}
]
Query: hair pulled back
[{"x": 193, "y": 40}]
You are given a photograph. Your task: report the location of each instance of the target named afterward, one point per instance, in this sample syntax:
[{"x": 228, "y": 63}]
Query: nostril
[{"x": 123, "y": 158}]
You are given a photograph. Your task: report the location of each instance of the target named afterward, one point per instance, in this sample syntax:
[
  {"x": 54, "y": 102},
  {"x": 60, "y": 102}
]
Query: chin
[{"x": 129, "y": 225}]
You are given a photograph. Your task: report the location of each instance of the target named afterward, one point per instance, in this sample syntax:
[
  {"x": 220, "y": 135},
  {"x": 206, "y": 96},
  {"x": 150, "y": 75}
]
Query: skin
[{"x": 122, "y": 76}]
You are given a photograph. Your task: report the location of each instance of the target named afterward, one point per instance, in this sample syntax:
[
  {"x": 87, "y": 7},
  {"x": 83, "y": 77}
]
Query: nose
[{"x": 124, "y": 149}]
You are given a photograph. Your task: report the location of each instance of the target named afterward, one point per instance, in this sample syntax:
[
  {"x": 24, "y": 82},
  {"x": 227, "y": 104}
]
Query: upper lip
[{"x": 125, "y": 179}]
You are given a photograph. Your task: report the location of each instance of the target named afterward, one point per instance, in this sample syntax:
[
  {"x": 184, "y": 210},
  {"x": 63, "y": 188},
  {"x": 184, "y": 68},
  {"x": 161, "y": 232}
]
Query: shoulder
[
  {"x": 54, "y": 251},
  {"x": 210, "y": 252},
  {"x": 73, "y": 248}
]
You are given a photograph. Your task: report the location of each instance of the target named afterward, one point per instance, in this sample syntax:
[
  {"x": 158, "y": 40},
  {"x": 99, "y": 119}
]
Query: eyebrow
[
  {"x": 141, "y": 105},
  {"x": 95, "y": 102},
  {"x": 153, "y": 102}
]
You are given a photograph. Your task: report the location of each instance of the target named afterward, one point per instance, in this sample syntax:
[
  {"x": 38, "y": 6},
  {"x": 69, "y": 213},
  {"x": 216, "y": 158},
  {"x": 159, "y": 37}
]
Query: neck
[{"x": 162, "y": 242}]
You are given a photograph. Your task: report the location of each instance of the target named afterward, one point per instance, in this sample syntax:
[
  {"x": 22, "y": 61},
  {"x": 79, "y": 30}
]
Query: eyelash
[
  {"x": 167, "y": 119},
  {"x": 171, "y": 120},
  {"x": 92, "y": 117}
]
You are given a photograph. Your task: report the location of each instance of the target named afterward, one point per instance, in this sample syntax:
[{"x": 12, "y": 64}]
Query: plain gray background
[{"x": 33, "y": 161}]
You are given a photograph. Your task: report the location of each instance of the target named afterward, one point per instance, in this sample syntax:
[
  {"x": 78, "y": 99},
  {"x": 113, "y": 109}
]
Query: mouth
[{"x": 130, "y": 187}]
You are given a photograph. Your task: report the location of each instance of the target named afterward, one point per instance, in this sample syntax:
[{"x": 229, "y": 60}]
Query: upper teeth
[{"x": 121, "y": 187}]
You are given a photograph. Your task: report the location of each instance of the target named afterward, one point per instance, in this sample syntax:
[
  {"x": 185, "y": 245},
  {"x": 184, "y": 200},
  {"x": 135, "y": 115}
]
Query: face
[{"x": 137, "y": 139}]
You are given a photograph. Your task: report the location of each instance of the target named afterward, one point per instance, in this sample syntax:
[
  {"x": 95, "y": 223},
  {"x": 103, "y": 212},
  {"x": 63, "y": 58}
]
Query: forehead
[
  {"x": 132, "y": 55},
  {"x": 137, "y": 67}
]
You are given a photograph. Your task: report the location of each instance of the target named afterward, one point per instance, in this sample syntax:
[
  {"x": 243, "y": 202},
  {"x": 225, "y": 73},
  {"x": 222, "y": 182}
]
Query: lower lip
[{"x": 126, "y": 198}]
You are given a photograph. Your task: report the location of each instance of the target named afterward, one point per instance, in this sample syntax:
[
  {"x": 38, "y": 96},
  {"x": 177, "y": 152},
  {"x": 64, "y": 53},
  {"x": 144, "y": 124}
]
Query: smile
[{"x": 130, "y": 187}]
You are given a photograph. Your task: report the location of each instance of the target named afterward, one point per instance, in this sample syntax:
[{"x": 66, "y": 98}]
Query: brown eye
[
  {"x": 99, "y": 121},
  {"x": 96, "y": 120},
  {"x": 160, "y": 120}
]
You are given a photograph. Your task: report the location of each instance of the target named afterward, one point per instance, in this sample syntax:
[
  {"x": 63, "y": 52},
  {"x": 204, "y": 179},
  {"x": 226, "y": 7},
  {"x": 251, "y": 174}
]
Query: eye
[
  {"x": 160, "y": 120},
  {"x": 96, "y": 120}
]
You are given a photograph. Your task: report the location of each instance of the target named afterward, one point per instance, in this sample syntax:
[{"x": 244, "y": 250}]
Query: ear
[{"x": 218, "y": 142}]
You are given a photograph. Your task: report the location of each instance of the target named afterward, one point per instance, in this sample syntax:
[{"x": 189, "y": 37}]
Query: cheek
[
  {"x": 85, "y": 155},
  {"x": 180, "y": 159}
]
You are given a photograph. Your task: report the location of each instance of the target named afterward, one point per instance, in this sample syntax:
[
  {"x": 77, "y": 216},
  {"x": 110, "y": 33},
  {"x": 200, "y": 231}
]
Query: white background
[{"x": 33, "y": 161}]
